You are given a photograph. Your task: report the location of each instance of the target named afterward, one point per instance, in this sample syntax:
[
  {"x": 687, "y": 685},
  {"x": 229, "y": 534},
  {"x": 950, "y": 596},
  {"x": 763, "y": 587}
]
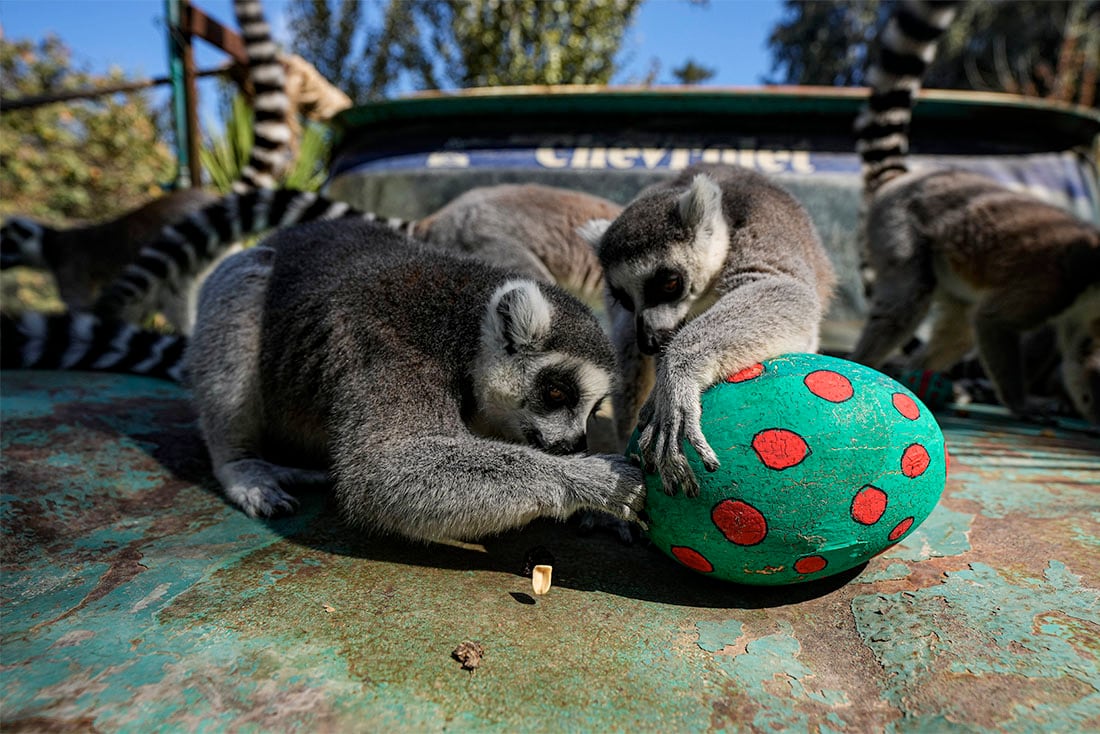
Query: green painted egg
[{"x": 825, "y": 463}]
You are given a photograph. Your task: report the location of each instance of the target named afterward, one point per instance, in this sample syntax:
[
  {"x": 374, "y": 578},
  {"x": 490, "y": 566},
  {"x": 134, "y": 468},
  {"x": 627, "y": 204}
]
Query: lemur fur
[
  {"x": 707, "y": 274},
  {"x": 434, "y": 389},
  {"x": 529, "y": 228},
  {"x": 993, "y": 262},
  {"x": 84, "y": 260}
]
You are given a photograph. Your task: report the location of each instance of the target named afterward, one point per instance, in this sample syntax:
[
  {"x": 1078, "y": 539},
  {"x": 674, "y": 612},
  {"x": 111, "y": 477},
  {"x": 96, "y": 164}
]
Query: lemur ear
[
  {"x": 701, "y": 203},
  {"x": 592, "y": 232},
  {"x": 519, "y": 316}
]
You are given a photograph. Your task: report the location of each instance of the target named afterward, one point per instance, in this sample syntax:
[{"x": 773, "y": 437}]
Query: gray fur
[
  {"x": 413, "y": 377},
  {"x": 529, "y": 229},
  {"x": 990, "y": 263},
  {"x": 270, "y": 154},
  {"x": 88, "y": 261},
  {"x": 756, "y": 281},
  {"x": 525, "y": 227}
]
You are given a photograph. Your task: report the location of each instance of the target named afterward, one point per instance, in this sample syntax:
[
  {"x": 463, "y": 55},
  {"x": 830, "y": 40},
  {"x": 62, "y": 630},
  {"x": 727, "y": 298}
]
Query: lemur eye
[
  {"x": 554, "y": 396},
  {"x": 555, "y": 389},
  {"x": 665, "y": 286}
]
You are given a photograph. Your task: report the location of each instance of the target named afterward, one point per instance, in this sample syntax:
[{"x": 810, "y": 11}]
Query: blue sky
[{"x": 729, "y": 35}]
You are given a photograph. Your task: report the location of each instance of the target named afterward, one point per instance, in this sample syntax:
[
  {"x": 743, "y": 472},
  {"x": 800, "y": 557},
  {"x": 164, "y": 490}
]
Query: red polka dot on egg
[
  {"x": 868, "y": 505},
  {"x": 810, "y": 564},
  {"x": 750, "y": 372},
  {"x": 914, "y": 461},
  {"x": 740, "y": 522},
  {"x": 779, "y": 448},
  {"x": 692, "y": 558},
  {"x": 901, "y": 528},
  {"x": 829, "y": 385},
  {"x": 906, "y": 406}
]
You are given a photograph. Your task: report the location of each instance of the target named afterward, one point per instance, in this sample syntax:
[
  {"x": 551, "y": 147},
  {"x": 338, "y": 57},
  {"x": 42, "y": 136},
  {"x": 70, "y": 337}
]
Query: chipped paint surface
[
  {"x": 1027, "y": 649},
  {"x": 135, "y": 598}
]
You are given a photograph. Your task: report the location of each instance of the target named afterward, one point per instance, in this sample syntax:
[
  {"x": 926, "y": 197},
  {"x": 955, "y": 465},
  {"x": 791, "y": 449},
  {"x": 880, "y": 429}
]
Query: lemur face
[
  {"x": 661, "y": 257},
  {"x": 660, "y": 297},
  {"x": 558, "y": 402},
  {"x": 543, "y": 400},
  {"x": 663, "y": 294},
  {"x": 528, "y": 392}
]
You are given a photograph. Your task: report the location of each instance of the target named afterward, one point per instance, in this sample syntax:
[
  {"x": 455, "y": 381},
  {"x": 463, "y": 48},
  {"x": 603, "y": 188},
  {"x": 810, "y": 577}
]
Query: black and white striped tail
[
  {"x": 21, "y": 243},
  {"x": 80, "y": 341},
  {"x": 906, "y": 48},
  {"x": 270, "y": 153},
  {"x": 183, "y": 250}
]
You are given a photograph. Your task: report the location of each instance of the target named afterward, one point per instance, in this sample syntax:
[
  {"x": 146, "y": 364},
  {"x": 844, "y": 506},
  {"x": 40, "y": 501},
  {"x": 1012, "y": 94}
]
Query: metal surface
[{"x": 135, "y": 599}]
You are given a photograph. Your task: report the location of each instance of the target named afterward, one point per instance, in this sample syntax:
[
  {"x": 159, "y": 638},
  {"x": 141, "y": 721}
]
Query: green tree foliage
[
  {"x": 81, "y": 160},
  {"x": 823, "y": 42},
  {"x": 1042, "y": 48},
  {"x": 325, "y": 34},
  {"x": 505, "y": 42},
  {"x": 436, "y": 44},
  {"x": 692, "y": 73}
]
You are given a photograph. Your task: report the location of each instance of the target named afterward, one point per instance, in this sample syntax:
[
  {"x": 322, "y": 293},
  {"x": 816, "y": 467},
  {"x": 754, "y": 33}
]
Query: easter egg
[{"x": 824, "y": 463}]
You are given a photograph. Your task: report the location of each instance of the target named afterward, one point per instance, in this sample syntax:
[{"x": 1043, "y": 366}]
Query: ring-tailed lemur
[
  {"x": 529, "y": 228},
  {"x": 995, "y": 262},
  {"x": 439, "y": 393},
  {"x": 435, "y": 388},
  {"x": 86, "y": 259},
  {"x": 271, "y": 130},
  {"x": 707, "y": 274}
]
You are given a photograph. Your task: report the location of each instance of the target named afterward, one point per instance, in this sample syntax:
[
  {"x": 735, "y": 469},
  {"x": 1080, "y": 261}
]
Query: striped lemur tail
[
  {"x": 26, "y": 242},
  {"x": 187, "y": 247},
  {"x": 271, "y": 106},
  {"x": 907, "y": 47},
  {"x": 80, "y": 341}
]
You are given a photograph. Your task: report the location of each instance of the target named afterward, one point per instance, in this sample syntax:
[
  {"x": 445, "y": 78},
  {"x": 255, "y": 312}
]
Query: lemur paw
[
  {"x": 626, "y": 498},
  {"x": 256, "y": 486},
  {"x": 262, "y": 501},
  {"x": 669, "y": 418}
]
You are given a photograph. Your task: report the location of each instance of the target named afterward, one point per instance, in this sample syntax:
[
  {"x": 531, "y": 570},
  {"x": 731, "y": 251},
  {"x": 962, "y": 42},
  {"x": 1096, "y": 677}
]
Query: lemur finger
[
  {"x": 689, "y": 483},
  {"x": 682, "y": 474},
  {"x": 699, "y": 443},
  {"x": 650, "y": 443}
]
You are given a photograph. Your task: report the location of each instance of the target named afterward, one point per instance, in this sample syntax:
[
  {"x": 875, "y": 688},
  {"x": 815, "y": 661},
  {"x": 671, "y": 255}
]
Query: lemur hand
[
  {"x": 621, "y": 492},
  {"x": 670, "y": 416}
]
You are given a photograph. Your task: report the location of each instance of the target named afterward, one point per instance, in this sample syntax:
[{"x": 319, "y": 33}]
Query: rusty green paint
[
  {"x": 136, "y": 599},
  {"x": 775, "y": 678},
  {"x": 1038, "y": 638}
]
